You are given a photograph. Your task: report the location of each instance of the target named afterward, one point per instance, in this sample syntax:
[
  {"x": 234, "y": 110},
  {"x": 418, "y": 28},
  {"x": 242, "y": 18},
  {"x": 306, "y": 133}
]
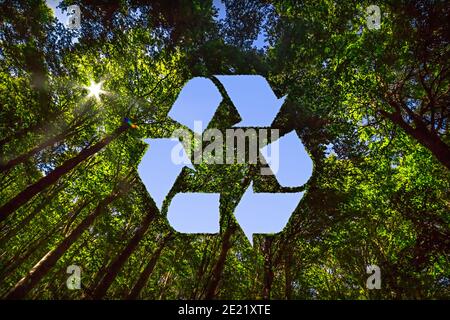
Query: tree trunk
[
  {"x": 100, "y": 290},
  {"x": 50, "y": 142},
  {"x": 425, "y": 137},
  {"x": 33, "y": 247},
  {"x": 47, "y": 198},
  {"x": 268, "y": 272},
  {"x": 143, "y": 277},
  {"x": 432, "y": 142},
  {"x": 27, "y": 283},
  {"x": 16, "y": 261},
  {"x": 220, "y": 264},
  {"x": 36, "y": 128},
  {"x": 288, "y": 275},
  {"x": 202, "y": 269},
  {"x": 53, "y": 176}
]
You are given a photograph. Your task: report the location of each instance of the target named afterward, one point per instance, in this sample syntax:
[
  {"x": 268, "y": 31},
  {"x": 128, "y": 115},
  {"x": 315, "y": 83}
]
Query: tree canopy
[{"x": 371, "y": 106}]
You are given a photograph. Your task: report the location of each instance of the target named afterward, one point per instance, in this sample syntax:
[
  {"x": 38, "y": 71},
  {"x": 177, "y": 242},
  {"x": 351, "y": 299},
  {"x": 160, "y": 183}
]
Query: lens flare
[
  {"x": 95, "y": 90},
  {"x": 130, "y": 123}
]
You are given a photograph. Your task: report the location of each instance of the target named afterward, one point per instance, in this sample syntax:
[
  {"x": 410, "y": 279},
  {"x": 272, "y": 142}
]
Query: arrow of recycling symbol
[
  {"x": 270, "y": 212},
  {"x": 244, "y": 91},
  {"x": 199, "y": 212},
  {"x": 158, "y": 173}
]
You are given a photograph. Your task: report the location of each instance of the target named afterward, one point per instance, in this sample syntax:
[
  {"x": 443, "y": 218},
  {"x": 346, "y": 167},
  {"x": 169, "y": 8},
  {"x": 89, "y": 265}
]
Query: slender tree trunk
[
  {"x": 47, "y": 198},
  {"x": 268, "y": 272},
  {"x": 27, "y": 283},
  {"x": 73, "y": 216},
  {"x": 17, "y": 260},
  {"x": 32, "y": 248},
  {"x": 211, "y": 290},
  {"x": 288, "y": 275},
  {"x": 53, "y": 176},
  {"x": 145, "y": 274},
  {"x": 25, "y": 156},
  {"x": 167, "y": 279},
  {"x": 201, "y": 270},
  {"x": 36, "y": 128},
  {"x": 105, "y": 263},
  {"x": 60, "y": 278},
  {"x": 87, "y": 290},
  {"x": 113, "y": 270}
]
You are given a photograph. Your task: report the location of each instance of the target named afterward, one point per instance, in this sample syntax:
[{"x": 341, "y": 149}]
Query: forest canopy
[{"x": 371, "y": 106}]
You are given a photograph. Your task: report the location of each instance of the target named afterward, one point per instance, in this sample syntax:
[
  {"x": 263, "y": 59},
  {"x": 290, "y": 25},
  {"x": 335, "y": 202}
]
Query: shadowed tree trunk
[
  {"x": 211, "y": 290},
  {"x": 288, "y": 275},
  {"x": 145, "y": 274},
  {"x": 100, "y": 290},
  {"x": 421, "y": 134},
  {"x": 32, "y": 248},
  {"x": 72, "y": 130},
  {"x": 40, "y": 269},
  {"x": 16, "y": 202},
  {"x": 47, "y": 198},
  {"x": 268, "y": 272},
  {"x": 206, "y": 258},
  {"x": 36, "y": 128}
]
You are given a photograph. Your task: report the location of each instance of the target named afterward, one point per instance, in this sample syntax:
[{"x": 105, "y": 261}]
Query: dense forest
[{"x": 371, "y": 106}]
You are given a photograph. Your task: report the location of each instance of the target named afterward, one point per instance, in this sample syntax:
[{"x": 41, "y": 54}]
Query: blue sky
[{"x": 62, "y": 17}]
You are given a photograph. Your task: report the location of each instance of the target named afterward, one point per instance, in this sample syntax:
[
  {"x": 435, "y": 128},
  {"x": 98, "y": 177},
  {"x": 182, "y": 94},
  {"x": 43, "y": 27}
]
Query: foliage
[{"x": 371, "y": 106}]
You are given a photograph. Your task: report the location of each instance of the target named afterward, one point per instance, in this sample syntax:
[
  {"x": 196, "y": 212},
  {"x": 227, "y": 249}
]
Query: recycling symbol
[{"x": 198, "y": 212}]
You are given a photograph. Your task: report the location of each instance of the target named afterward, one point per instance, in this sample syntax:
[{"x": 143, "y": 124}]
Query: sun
[{"x": 95, "y": 90}]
